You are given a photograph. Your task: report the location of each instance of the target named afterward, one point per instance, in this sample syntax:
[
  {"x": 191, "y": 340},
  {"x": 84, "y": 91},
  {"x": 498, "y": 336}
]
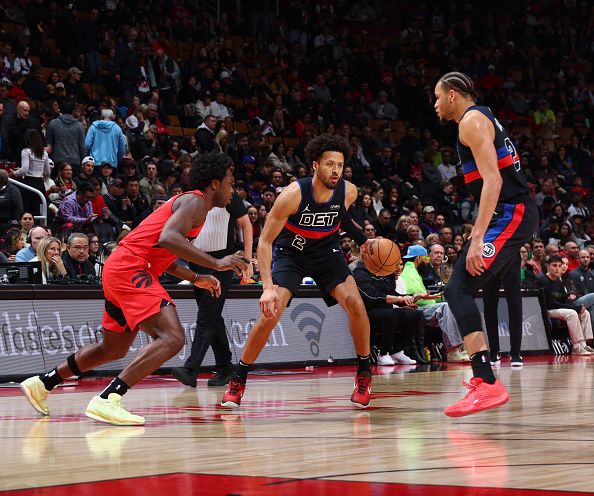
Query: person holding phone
[{"x": 77, "y": 208}]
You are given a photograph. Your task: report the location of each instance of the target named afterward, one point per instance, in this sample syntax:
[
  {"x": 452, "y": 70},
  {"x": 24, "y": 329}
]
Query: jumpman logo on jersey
[{"x": 306, "y": 209}]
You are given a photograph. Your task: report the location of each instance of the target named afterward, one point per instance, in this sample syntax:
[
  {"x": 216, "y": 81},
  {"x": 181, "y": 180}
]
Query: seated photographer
[
  {"x": 397, "y": 326},
  {"x": 48, "y": 253},
  {"x": 76, "y": 257}
]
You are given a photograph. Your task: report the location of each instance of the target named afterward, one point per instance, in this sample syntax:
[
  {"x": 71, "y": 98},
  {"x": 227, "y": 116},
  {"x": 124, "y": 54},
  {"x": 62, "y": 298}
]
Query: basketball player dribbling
[
  {"x": 135, "y": 300},
  {"x": 507, "y": 218},
  {"x": 301, "y": 238}
]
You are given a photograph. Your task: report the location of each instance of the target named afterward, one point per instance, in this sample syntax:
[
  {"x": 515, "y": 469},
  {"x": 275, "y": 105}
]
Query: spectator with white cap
[
  {"x": 105, "y": 140},
  {"x": 87, "y": 170},
  {"x": 66, "y": 137}
]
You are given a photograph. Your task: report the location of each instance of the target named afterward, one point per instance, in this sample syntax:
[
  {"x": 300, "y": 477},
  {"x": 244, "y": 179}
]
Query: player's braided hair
[
  {"x": 459, "y": 82},
  {"x": 207, "y": 168},
  {"x": 325, "y": 143}
]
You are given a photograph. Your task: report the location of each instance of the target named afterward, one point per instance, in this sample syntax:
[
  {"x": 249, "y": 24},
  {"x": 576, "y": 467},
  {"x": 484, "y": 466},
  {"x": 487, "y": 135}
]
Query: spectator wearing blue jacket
[{"x": 105, "y": 141}]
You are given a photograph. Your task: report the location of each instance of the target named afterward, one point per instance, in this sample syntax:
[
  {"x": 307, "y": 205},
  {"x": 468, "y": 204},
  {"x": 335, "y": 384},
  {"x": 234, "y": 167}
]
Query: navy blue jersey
[
  {"x": 514, "y": 183},
  {"x": 315, "y": 226}
]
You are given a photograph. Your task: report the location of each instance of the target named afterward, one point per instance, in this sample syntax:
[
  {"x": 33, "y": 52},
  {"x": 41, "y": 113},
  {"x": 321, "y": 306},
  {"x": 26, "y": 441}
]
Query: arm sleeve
[
  {"x": 236, "y": 208},
  {"x": 89, "y": 138},
  {"x": 371, "y": 292},
  {"x": 49, "y": 135},
  {"x": 348, "y": 226},
  {"x": 22, "y": 172},
  {"x": 121, "y": 147},
  {"x": 17, "y": 202},
  {"x": 46, "y": 165},
  {"x": 83, "y": 150},
  {"x": 69, "y": 215}
]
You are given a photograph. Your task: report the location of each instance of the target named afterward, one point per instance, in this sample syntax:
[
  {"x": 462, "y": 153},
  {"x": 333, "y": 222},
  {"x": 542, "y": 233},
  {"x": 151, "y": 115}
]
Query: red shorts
[{"x": 132, "y": 292}]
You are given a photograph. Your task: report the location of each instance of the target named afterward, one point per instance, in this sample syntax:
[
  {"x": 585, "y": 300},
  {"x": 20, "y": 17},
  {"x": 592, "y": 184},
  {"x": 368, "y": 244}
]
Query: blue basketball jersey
[
  {"x": 315, "y": 226},
  {"x": 514, "y": 183}
]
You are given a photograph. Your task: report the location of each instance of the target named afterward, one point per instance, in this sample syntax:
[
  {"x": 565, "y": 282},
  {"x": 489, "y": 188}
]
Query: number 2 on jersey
[{"x": 299, "y": 242}]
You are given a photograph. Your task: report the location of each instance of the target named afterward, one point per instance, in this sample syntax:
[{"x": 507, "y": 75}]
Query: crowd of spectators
[{"x": 104, "y": 105}]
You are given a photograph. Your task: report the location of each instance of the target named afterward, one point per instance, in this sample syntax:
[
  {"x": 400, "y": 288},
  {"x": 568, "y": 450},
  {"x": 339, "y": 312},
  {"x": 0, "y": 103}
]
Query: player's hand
[
  {"x": 475, "y": 264},
  {"x": 236, "y": 262},
  {"x": 210, "y": 283},
  {"x": 248, "y": 272},
  {"x": 269, "y": 303},
  {"x": 582, "y": 310}
]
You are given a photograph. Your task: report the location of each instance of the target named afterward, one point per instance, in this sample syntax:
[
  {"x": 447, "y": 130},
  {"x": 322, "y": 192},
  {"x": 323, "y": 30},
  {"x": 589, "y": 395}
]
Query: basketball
[{"x": 381, "y": 256}]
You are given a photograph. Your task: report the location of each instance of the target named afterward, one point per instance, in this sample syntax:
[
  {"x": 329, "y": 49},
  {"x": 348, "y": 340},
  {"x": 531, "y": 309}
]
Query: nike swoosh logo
[{"x": 335, "y": 250}]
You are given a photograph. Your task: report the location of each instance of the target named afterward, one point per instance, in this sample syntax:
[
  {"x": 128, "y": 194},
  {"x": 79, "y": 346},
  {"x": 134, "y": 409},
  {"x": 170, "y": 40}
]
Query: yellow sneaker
[
  {"x": 111, "y": 411},
  {"x": 36, "y": 393},
  {"x": 457, "y": 356}
]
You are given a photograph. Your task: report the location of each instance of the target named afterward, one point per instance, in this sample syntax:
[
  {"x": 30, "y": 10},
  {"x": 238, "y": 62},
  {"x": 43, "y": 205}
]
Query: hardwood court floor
[{"x": 297, "y": 434}]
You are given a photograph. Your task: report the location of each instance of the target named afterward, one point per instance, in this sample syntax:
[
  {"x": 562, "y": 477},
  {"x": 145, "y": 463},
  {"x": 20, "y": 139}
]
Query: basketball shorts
[
  {"x": 132, "y": 292},
  {"x": 512, "y": 225},
  {"x": 328, "y": 269}
]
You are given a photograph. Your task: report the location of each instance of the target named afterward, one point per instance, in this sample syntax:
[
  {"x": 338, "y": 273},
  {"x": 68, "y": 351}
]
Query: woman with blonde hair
[
  {"x": 222, "y": 141},
  {"x": 49, "y": 251}
]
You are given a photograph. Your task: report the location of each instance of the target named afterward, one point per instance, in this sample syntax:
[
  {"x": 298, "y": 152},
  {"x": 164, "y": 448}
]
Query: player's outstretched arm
[
  {"x": 190, "y": 212},
  {"x": 204, "y": 281},
  {"x": 477, "y": 132}
]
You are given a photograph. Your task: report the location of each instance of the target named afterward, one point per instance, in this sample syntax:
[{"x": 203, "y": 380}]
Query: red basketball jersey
[{"x": 143, "y": 241}]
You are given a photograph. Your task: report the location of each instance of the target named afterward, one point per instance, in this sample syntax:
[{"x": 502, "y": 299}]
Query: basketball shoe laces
[
  {"x": 363, "y": 384},
  {"x": 475, "y": 392},
  {"x": 235, "y": 387}
]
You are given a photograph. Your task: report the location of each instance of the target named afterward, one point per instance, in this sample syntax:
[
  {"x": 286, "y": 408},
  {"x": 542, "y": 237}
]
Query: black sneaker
[
  {"x": 220, "y": 378},
  {"x": 516, "y": 361},
  {"x": 185, "y": 376},
  {"x": 495, "y": 358}
]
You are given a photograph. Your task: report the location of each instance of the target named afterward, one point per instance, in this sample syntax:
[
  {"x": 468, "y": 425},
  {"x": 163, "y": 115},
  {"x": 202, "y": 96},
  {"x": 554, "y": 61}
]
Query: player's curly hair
[
  {"x": 325, "y": 143},
  {"x": 207, "y": 168},
  {"x": 459, "y": 82}
]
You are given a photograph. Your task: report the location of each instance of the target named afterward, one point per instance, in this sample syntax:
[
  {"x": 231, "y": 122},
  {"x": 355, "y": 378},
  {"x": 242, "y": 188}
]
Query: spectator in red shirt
[
  {"x": 491, "y": 81},
  {"x": 571, "y": 250}
]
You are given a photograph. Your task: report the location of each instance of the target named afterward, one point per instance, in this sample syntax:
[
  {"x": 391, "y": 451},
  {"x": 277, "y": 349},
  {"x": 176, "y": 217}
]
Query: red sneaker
[
  {"x": 233, "y": 394},
  {"x": 362, "y": 393},
  {"x": 481, "y": 396}
]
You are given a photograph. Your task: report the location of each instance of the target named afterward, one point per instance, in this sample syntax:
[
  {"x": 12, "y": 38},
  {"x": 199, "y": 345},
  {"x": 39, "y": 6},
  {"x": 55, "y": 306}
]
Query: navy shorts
[
  {"x": 512, "y": 225},
  {"x": 328, "y": 269}
]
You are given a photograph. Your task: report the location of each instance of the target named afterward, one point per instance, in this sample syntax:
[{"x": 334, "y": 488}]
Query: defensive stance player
[{"x": 301, "y": 238}]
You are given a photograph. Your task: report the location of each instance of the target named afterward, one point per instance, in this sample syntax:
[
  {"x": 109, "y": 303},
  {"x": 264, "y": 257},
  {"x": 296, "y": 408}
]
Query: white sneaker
[
  {"x": 580, "y": 350},
  {"x": 385, "y": 360},
  {"x": 402, "y": 359}
]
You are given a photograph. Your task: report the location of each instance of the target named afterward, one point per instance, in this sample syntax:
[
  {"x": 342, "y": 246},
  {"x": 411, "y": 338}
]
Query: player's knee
[
  {"x": 176, "y": 340},
  {"x": 354, "y": 306}
]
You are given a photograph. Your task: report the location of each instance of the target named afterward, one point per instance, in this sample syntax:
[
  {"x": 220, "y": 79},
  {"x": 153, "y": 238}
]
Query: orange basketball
[{"x": 381, "y": 256}]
